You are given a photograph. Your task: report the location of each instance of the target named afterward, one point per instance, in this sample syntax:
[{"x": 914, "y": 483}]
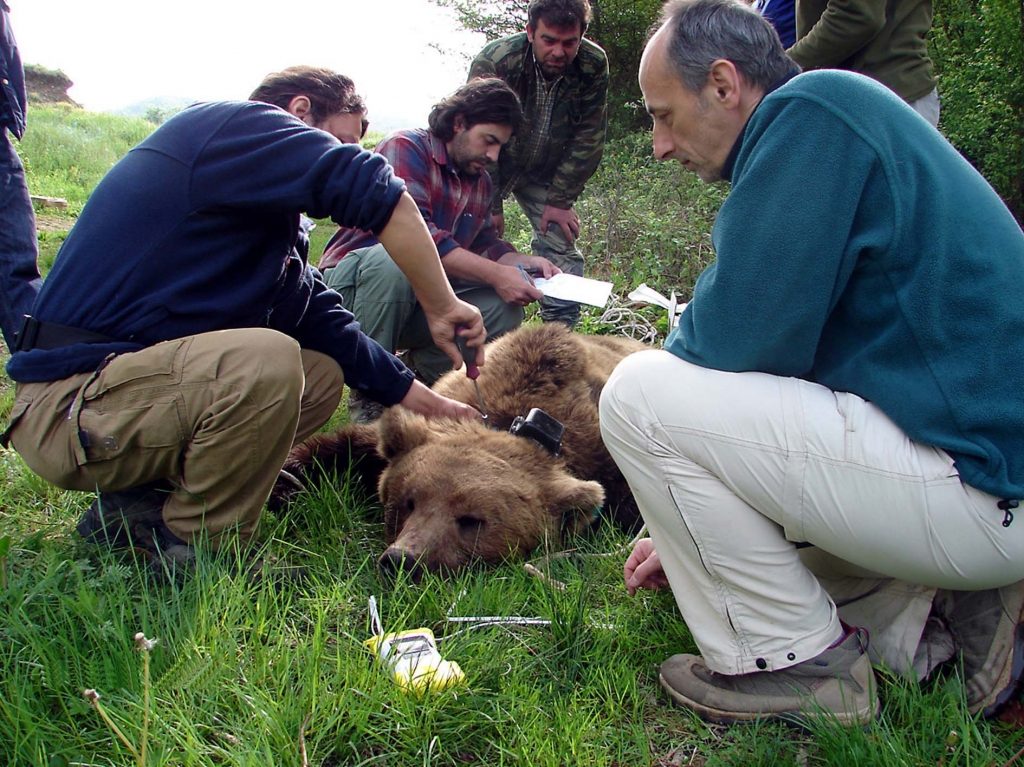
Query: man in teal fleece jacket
[
  {"x": 182, "y": 343},
  {"x": 838, "y": 416}
]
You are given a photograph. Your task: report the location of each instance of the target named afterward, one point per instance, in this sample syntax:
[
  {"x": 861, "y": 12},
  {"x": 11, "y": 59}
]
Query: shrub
[
  {"x": 979, "y": 57},
  {"x": 641, "y": 220}
]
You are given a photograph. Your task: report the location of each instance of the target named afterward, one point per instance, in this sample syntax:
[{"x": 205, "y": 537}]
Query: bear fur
[{"x": 455, "y": 492}]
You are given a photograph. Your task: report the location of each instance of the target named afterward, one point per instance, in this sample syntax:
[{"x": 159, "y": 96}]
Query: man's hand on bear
[
  {"x": 420, "y": 399},
  {"x": 643, "y": 568}
]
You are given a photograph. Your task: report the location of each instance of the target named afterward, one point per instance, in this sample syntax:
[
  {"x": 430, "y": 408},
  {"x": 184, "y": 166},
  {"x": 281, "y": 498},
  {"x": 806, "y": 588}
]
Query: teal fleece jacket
[{"x": 891, "y": 270}]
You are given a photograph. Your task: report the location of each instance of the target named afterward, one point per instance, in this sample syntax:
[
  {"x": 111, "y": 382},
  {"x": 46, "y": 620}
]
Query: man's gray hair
[{"x": 703, "y": 31}]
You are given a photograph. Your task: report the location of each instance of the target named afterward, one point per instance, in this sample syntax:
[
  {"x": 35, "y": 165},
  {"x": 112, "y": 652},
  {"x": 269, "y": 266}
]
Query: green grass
[
  {"x": 254, "y": 672},
  {"x": 242, "y": 666},
  {"x": 67, "y": 151}
]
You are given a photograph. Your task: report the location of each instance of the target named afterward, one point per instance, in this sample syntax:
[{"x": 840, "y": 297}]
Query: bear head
[{"x": 455, "y": 492}]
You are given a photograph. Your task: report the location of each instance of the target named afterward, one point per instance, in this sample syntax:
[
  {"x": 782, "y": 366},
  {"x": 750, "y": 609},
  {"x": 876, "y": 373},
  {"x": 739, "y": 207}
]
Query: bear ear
[
  {"x": 577, "y": 501},
  {"x": 400, "y": 432}
]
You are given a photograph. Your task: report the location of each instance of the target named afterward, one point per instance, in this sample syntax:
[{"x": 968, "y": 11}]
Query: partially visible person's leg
[
  {"x": 555, "y": 247},
  {"x": 430, "y": 362},
  {"x": 374, "y": 289},
  {"x": 19, "y": 272},
  {"x": 928, "y": 107},
  {"x": 747, "y": 599},
  {"x": 321, "y": 393},
  {"x": 215, "y": 414},
  {"x": 729, "y": 469},
  {"x": 892, "y": 611}
]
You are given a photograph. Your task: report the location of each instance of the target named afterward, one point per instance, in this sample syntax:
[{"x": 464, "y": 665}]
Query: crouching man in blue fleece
[
  {"x": 182, "y": 343},
  {"x": 841, "y": 402}
]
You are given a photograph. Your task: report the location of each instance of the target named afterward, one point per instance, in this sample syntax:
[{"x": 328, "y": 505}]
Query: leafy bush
[
  {"x": 641, "y": 221},
  {"x": 644, "y": 220},
  {"x": 978, "y": 52}
]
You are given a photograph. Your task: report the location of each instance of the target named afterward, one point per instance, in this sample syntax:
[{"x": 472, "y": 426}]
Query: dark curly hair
[
  {"x": 483, "y": 100},
  {"x": 329, "y": 93}
]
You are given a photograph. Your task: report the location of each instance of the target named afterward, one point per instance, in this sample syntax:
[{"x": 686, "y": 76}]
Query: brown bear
[{"x": 454, "y": 492}]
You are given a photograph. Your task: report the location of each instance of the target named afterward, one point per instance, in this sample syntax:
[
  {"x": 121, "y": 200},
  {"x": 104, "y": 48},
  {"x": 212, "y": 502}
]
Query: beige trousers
[
  {"x": 214, "y": 414},
  {"x": 730, "y": 470}
]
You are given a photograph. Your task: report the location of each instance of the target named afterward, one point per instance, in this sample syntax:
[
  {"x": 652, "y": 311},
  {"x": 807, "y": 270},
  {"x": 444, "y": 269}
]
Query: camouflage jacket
[{"x": 578, "y": 122}]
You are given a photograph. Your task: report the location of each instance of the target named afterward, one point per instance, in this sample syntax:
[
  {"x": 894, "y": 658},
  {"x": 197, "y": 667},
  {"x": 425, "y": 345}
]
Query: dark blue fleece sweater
[{"x": 195, "y": 230}]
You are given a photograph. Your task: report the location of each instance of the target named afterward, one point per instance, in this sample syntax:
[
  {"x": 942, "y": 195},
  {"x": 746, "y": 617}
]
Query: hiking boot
[
  {"x": 362, "y": 409},
  {"x": 169, "y": 556},
  {"x": 113, "y": 514},
  {"x": 986, "y": 626},
  {"x": 838, "y": 683}
]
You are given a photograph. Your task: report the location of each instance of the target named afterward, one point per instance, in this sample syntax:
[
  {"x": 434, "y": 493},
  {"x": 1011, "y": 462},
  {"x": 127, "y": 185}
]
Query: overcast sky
[{"x": 120, "y": 52}]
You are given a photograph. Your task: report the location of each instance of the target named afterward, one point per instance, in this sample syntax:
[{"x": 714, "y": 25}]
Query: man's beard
[
  {"x": 551, "y": 71},
  {"x": 472, "y": 167}
]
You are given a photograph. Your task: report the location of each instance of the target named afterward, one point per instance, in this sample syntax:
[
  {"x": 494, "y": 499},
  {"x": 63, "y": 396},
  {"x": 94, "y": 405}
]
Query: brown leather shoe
[{"x": 837, "y": 684}]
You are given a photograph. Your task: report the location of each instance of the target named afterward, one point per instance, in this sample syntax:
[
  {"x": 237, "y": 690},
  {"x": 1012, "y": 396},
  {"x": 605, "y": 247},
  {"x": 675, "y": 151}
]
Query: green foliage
[
  {"x": 644, "y": 220},
  {"x": 49, "y": 244},
  {"x": 67, "y": 151},
  {"x": 620, "y": 27},
  {"x": 159, "y": 115},
  {"x": 491, "y": 18},
  {"x": 978, "y": 47}
]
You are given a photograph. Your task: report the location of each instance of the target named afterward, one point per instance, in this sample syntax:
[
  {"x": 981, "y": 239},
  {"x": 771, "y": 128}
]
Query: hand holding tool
[{"x": 472, "y": 371}]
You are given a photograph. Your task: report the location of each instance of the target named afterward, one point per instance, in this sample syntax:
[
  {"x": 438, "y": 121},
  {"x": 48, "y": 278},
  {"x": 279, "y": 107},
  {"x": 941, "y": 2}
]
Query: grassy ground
[{"x": 268, "y": 672}]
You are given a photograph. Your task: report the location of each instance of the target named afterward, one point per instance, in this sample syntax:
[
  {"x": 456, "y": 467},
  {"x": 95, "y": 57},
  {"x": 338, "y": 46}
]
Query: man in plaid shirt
[{"x": 444, "y": 169}]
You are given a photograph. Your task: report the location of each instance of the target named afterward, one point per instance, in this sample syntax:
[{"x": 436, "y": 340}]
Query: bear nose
[{"x": 393, "y": 561}]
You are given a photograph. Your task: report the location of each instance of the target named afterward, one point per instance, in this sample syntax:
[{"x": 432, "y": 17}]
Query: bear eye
[
  {"x": 410, "y": 505},
  {"x": 469, "y": 525}
]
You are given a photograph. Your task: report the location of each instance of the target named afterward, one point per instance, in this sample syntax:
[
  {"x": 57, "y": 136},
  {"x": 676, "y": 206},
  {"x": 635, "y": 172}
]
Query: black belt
[{"x": 49, "y": 335}]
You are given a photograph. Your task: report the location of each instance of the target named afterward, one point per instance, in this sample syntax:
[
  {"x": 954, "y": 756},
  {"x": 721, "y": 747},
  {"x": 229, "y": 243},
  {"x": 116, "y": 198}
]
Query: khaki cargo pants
[{"x": 214, "y": 414}]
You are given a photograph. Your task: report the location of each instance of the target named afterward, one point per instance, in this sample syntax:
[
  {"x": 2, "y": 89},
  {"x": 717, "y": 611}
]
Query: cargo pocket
[
  {"x": 134, "y": 408},
  {"x": 873, "y": 441}
]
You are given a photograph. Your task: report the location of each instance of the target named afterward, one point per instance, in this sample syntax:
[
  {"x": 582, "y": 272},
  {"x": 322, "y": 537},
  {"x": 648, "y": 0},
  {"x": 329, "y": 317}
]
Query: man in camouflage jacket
[{"x": 562, "y": 80}]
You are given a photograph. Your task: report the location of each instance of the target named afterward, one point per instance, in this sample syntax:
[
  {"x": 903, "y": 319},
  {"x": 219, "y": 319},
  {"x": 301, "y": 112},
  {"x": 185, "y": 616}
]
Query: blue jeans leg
[{"x": 19, "y": 272}]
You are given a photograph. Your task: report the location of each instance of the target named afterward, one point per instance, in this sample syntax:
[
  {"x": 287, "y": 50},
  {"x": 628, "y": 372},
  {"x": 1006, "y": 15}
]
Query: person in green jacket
[
  {"x": 561, "y": 79},
  {"x": 834, "y": 433},
  {"x": 883, "y": 39}
]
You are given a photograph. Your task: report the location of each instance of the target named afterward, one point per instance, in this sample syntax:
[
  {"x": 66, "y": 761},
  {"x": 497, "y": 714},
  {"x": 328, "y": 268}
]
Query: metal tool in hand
[{"x": 472, "y": 371}]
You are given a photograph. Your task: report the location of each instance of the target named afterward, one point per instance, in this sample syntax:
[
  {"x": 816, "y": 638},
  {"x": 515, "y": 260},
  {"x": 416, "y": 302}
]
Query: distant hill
[
  {"x": 156, "y": 109},
  {"x": 50, "y": 86},
  {"x": 159, "y": 108}
]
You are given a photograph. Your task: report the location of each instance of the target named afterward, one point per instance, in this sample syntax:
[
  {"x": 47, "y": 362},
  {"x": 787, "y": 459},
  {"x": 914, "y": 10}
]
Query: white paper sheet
[{"x": 569, "y": 287}]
